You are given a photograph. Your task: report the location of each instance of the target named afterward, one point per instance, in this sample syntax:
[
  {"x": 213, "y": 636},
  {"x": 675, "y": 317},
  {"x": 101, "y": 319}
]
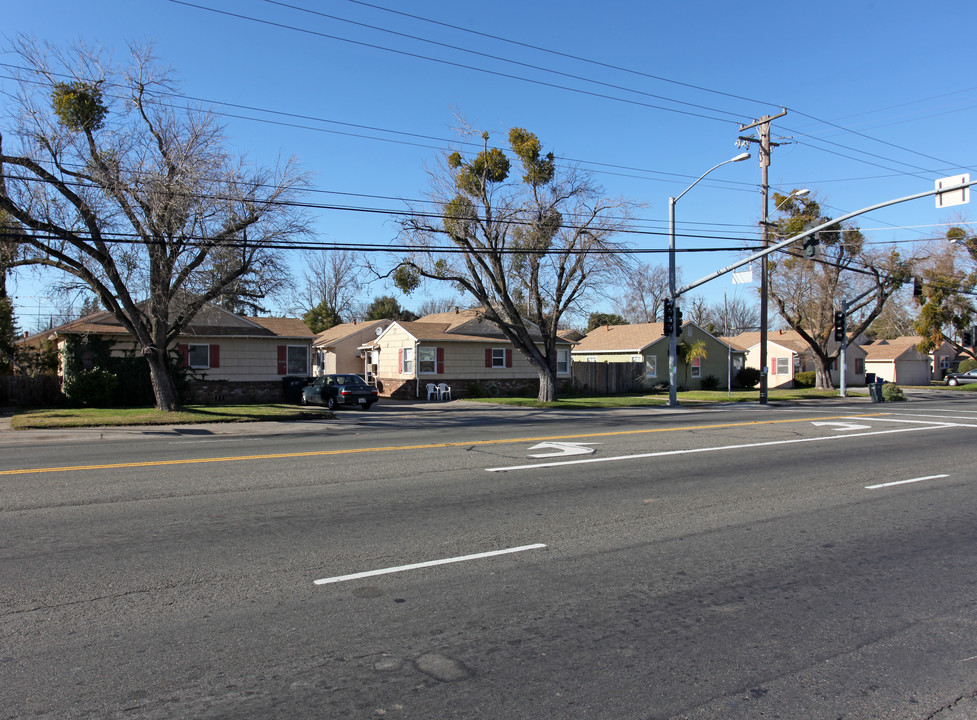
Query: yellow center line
[{"x": 426, "y": 446}]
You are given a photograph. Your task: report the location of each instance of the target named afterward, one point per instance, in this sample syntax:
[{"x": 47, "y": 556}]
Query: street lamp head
[
  {"x": 741, "y": 157},
  {"x": 800, "y": 193}
]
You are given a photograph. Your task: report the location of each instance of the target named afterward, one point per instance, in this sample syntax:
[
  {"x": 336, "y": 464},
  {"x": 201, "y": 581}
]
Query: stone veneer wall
[
  {"x": 405, "y": 389},
  {"x": 234, "y": 393}
]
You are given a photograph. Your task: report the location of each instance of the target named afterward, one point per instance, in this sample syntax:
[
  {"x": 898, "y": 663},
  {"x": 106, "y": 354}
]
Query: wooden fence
[
  {"x": 603, "y": 378},
  {"x": 26, "y": 391}
]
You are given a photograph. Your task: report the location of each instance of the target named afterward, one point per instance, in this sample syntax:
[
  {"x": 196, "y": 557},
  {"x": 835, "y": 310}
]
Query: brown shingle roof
[{"x": 621, "y": 338}]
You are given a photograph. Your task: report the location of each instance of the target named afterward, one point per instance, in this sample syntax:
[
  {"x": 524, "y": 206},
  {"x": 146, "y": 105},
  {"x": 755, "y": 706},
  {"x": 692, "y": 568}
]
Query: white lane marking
[
  {"x": 663, "y": 453},
  {"x": 429, "y": 563},
  {"x": 903, "y": 482},
  {"x": 846, "y": 426},
  {"x": 946, "y": 417},
  {"x": 564, "y": 448},
  {"x": 926, "y": 422}
]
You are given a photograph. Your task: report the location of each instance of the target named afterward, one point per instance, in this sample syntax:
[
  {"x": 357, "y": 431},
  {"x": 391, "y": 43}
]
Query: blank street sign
[{"x": 961, "y": 196}]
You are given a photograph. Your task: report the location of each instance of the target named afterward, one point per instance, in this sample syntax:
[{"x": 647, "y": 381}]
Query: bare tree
[
  {"x": 133, "y": 196},
  {"x": 645, "y": 288},
  {"x": 808, "y": 291},
  {"x": 333, "y": 280},
  {"x": 732, "y": 315},
  {"x": 527, "y": 250}
]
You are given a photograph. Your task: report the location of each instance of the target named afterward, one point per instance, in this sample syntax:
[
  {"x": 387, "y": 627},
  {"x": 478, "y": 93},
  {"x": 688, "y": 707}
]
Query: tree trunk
[
  {"x": 167, "y": 399},
  {"x": 822, "y": 370},
  {"x": 547, "y": 385}
]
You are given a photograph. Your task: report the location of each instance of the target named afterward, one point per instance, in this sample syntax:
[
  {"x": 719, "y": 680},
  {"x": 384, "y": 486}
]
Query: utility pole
[{"x": 763, "y": 131}]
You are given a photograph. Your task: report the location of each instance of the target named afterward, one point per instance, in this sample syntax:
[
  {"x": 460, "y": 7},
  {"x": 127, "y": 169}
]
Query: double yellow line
[{"x": 426, "y": 446}]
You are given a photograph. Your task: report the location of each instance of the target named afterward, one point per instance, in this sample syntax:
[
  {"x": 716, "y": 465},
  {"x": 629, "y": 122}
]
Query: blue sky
[{"x": 880, "y": 98}]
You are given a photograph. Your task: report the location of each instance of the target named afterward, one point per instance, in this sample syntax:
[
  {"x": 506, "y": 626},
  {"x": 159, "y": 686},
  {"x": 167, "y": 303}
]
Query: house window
[
  {"x": 859, "y": 366},
  {"x": 407, "y": 361},
  {"x": 637, "y": 359},
  {"x": 562, "y": 361},
  {"x": 427, "y": 360},
  {"x": 297, "y": 360},
  {"x": 498, "y": 357},
  {"x": 198, "y": 356},
  {"x": 696, "y": 367},
  {"x": 779, "y": 366},
  {"x": 945, "y": 362},
  {"x": 651, "y": 366}
]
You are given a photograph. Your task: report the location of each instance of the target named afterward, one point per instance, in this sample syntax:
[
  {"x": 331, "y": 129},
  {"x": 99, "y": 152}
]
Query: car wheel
[
  {"x": 331, "y": 403},
  {"x": 951, "y": 381},
  {"x": 366, "y": 406}
]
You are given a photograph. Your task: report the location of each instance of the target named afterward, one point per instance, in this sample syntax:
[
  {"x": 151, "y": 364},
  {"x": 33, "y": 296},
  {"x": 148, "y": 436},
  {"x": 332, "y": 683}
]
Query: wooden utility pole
[{"x": 763, "y": 140}]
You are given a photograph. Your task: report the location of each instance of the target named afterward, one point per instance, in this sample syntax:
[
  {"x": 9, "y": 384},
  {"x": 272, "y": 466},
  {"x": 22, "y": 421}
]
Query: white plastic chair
[
  {"x": 432, "y": 389},
  {"x": 444, "y": 391}
]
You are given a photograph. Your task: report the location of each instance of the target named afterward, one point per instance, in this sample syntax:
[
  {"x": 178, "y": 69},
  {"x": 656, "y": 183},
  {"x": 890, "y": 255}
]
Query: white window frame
[
  {"x": 191, "y": 347},
  {"x": 291, "y": 362},
  {"x": 408, "y": 361},
  {"x": 697, "y": 367},
  {"x": 498, "y": 358},
  {"x": 562, "y": 361},
  {"x": 651, "y": 366},
  {"x": 422, "y": 360},
  {"x": 783, "y": 366}
]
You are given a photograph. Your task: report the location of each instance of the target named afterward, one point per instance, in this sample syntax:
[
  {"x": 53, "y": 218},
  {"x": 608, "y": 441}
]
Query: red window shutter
[
  {"x": 773, "y": 366},
  {"x": 215, "y": 356},
  {"x": 488, "y": 357},
  {"x": 440, "y": 368},
  {"x": 282, "y": 359},
  {"x": 508, "y": 358},
  {"x": 184, "y": 351},
  {"x": 400, "y": 361}
]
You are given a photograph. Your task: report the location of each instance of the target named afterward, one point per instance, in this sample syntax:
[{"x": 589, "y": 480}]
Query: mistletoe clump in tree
[
  {"x": 115, "y": 186},
  {"x": 528, "y": 248}
]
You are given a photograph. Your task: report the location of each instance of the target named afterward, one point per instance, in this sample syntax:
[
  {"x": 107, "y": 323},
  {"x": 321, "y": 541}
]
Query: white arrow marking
[
  {"x": 563, "y": 449},
  {"x": 846, "y": 426}
]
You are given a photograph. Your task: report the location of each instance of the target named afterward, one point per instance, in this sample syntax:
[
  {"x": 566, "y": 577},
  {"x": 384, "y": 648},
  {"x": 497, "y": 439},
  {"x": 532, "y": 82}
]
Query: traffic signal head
[
  {"x": 678, "y": 320},
  {"x": 668, "y": 317},
  {"x": 839, "y": 326},
  {"x": 917, "y": 287},
  {"x": 967, "y": 338},
  {"x": 811, "y": 243}
]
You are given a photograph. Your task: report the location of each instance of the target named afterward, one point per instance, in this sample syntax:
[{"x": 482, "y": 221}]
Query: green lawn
[{"x": 100, "y": 417}]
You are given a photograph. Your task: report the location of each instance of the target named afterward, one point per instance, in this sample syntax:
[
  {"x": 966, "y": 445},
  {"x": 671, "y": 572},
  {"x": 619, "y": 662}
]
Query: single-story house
[
  {"x": 899, "y": 361},
  {"x": 789, "y": 354},
  {"x": 460, "y": 349},
  {"x": 337, "y": 350},
  {"x": 234, "y": 358},
  {"x": 646, "y": 343}
]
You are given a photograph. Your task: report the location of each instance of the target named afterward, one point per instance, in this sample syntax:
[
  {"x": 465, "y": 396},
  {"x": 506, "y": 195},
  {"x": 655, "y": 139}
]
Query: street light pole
[{"x": 673, "y": 337}]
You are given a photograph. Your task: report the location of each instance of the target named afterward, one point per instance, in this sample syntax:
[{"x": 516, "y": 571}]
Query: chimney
[
  {"x": 354, "y": 321},
  {"x": 607, "y": 328},
  {"x": 456, "y": 310}
]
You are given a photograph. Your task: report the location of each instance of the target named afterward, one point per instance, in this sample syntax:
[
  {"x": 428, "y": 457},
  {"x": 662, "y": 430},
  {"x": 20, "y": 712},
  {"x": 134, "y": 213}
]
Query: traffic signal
[
  {"x": 668, "y": 317},
  {"x": 839, "y": 325},
  {"x": 811, "y": 243},
  {"x": 917, "y": 287},
  {"x": 678, "y": 320},
  {"x": 967, "y": 338}
]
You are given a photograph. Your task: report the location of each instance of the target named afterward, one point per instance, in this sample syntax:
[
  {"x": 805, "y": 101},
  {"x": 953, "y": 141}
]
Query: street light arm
[{"x": 738, "y": 158}]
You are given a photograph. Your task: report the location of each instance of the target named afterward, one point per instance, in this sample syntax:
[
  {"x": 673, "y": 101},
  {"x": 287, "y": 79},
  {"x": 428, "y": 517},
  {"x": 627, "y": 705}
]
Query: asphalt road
[{"x": 791, "y": 562}]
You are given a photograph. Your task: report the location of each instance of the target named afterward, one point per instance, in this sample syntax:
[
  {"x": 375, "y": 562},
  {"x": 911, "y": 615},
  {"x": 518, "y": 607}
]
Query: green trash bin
[{"x": 875, "y": 391}]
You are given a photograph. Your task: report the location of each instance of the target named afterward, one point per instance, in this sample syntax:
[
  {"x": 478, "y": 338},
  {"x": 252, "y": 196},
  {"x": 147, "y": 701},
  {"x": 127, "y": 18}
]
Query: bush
[
  {"x": 805, "y": 379},
  {"x": 91, "y": 388},
  {"x": 892, "y": 393},
  {"x": 710, "y": 382},
  {"x": 968, "y": 364},
  {"x": 747, "y": 377}
]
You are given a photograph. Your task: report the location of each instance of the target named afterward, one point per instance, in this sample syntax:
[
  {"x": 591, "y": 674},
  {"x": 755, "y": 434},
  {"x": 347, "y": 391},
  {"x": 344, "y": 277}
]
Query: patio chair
[
  {"x": 444, "y": 391},
  {"x": 432, "y": 389}
]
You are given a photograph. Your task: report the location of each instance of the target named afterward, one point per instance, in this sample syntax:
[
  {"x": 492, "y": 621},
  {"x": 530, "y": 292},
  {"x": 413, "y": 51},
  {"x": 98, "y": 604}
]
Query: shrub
[
  {"x": 968, "y": 364},
  {"x": 747, "y": 377},
  {"x": 892, "y": 393},
  {"x": 475, "y": 390},
  {"x": 805, "y": 379},
  {"x": 91, "y": 388},
  {"x": 710, "y": 382}
]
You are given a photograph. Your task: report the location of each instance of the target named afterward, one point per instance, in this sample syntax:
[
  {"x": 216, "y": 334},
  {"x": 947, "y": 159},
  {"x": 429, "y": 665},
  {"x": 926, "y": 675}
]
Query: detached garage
[{"x": 897, "y": 362}]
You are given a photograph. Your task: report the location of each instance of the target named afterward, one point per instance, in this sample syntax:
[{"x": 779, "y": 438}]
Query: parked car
[
  {"x": 961, "y": 378},
  {"x": 341, "y": 389}
]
